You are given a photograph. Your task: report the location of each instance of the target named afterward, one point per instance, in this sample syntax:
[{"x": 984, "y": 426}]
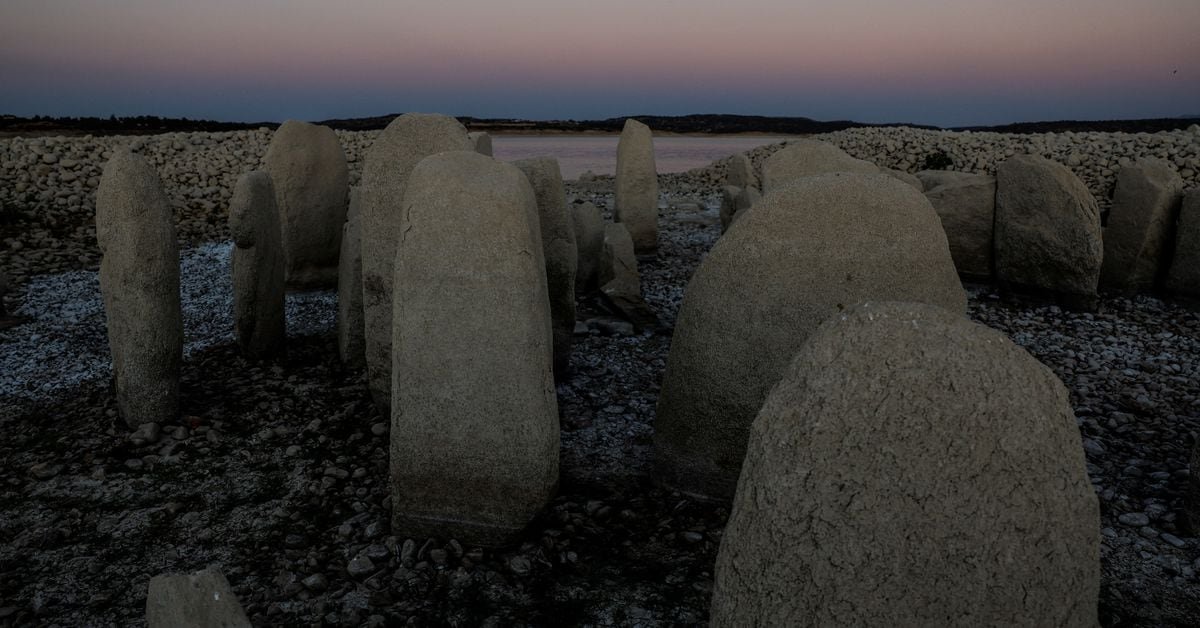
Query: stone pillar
[
  {"x": 351, "y": 347},
  {"x": 636, "y": 203}
]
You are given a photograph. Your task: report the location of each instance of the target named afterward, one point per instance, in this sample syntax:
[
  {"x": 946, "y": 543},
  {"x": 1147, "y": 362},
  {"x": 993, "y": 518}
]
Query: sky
[{"x": 940, "y": 62}]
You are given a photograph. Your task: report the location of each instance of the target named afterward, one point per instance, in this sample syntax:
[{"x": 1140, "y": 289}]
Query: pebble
[
  {"x": 1134, "y": 519},
  {"x": 360, "y": 567}
]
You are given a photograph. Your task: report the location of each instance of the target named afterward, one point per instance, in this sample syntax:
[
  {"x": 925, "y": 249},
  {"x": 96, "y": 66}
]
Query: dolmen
[
  {"x": 406, "y": 141},
  {"x": 911, "y": 468},
  {"x": 966, "y": 204},
  {"x": 139, "y": 279},
  {"x": 809, "y": 249},
  {"x": 474, "y": 418},
  {"x": 258, "y": 266},
  {"x": 308, "y": 169},
  {"x": 636, "y": 200}
]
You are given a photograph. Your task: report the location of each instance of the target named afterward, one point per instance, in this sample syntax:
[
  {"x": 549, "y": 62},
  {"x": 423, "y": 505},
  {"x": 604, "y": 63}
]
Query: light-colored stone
[
  {"x": 258, "y": 263},
  {"x": 735, "y": 200},
  {"x": 406, "y": 141},
  {"x": 741, "y": 172},
  {"x": 967, "y": 208},
  {"x": 905, "y": 177},
  {"x": 912, "y": 468},
  {"x": 589, "y": 244},
  {"x": 482, "y": 142},
  {"x": 1047, "y": 231},
  {"x": 351, "y": 347},
  {"x": 200, "y": 600},
  {"x": 139, "y": 278},
  {"x": 474, "y": 451},
  {"x": 805, "y": 158},
  {"x": 559, "y": 251},
  {"x": 636, "y": 202},
  {"x": 618, "y": 263},
  {"x": 1141, "y": 227},
  {"x": 804, "y": 253},
  {"x": 931, "y": 179},
  {"x": 309, "y": 172}
]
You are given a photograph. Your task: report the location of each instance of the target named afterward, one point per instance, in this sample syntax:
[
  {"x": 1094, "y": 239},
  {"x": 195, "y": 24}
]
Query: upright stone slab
[
  {"x": 200, "y": 600},
  {"x": 474, "y": 452},
  {"x": 3, "y": 293},
  {"x": 351, "y": 347},
  {"x": 1184, "y": 277},
  {"x": 482, "y": 142},
  {"x": 741, "y": 172},
  {"x": 618, "y": 263},
  {"x": 1047, "y": 231},
  {"x": 139, "y": 278},
  {"x": 735, "y": 200},
  {"x": 1192, "y": 497},
  {"x": 935, "y": 178},
  {"x": 636, "y": 203},
  {"x": 904, "y": 177},
  {"x": 967, "y": 208},
  {"x": 259, "y": 319},
  {"x": 589, "y": 243},
  {"x": 805, "y": 158},
  {"x": 308, "y": 168},
  {"x": 912, "y": 468},
  {"x": 406, "y": 141},
  {"x": 805, "y": 252},
  {"x": 559, "y": 250},
  {"x": 1141, "y": 227}
]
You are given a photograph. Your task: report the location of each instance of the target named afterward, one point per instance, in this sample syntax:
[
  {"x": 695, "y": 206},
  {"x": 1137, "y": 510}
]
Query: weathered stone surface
[
  {"x": 559, "y": 250},
  {"x": 308, "y": 168},
  {"x": 967, "y": 208},
  {"x": 618, "y": 263},
  {"x": 805, "y": 252},
  {"x": 482, "y": 142},
  {"x": 3, "y": 293},
  {"x": 474, "y": 453},
  {"x": 636, "y": 203},
  {"x": 258, "y": 263},
  {"x": 1047, "y": 231},
  {"x": 805, "y": 158},
  {"x": 1141, "y": 227},
  {"x": 351, "y": 347},
  {"x": 406, "y": 141},
  {"x": 912, "y": 468},
  {"x": 139, "y": 278},
  {"x": 1183, "y": 280},
  {"x": 589, "y": 243},
  {"x": 904, "y": 177},
  {"x": 200, "y": 600},
  {"x": 741, "y": 172},
  {"x": 735, "y": 200},
  {"x": 934, "y": 178},
  {"x": 1192, "y": 499}
]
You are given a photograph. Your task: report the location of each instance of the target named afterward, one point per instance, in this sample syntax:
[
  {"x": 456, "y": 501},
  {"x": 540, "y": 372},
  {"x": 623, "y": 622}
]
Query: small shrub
[{"x": 938, "y": 161}]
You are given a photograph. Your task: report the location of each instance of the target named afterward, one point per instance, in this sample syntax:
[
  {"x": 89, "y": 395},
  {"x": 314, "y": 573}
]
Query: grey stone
[
  {"x": 618, "y": 273},
  {"x": 967, "y": 208},
  {"x": 1134, "y": 519},
  {"x": 258, "y": 267},
  {"x": 636, "y": 202},
  {"x": 904, "y": 177},
  {"x": 805, "y": 158},
  {"x": 360, "y": 567},
  {"x": 1192, "y": 491},
  {"x": 1183, "y": 279},
  {"x": 735, "y": 200},
  {"x": 406, "y": 141},
  {"x": 911, "y": 468},
  {"x": 1047, "y": 231},
  {"x": 1141, "y": 227},
  {"x": 200, "y": 600},
  {"x": 139, "y": 278},
  {"x": 311, "y": 178},
  {"x": 351, "y": 345},
  {"x": 474, "y": 447},
  {"x": 559, "y": 251},
  {"x": 589, "y": 244},
  {"x": 741, "y": 172},
  {"x": 804, "y": 253},
  {"x": 935, "y": 178},
  {"x": 482, "y": 142}
]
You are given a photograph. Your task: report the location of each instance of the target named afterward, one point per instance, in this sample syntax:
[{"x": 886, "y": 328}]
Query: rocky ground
[{"x": 276, "y": 471}]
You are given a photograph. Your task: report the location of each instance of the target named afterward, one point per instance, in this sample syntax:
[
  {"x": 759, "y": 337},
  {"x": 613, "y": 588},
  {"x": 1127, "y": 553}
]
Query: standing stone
[
  {"x": 200, "y": 600},
  {"x": 308, "y": 168},
  {"x": 1192, "y": 496},
  {"x": 1184, "y": 278},
  {"x": 905, "y": 177},
  {"x": 935, "y": 178},
  {"x": 3, "y": 292},
  {"x": 618, "y": 263},
  {"x": 805, "y": 158},
  {"x": 406, "y": 141},
  {"x": 735, "y": 200},
  {"x": 351, "y": 348},
  {"x": 636, "y": 204},
  {"x": 1141, "y": 227},
  {"x": 482, "y": 142},
  {"x": 139, "y": 277},
  {"x": 912, "y": 468},
  {"x": 558, "y": 248},
  {"x": 589, "y": 242},
  {"x": 474, "y": 453},
  {"x": 1047, "y": 230},
  {"x": 804, "y": 253},
  {"x": 741, "y": 172},
  {"x": 258, "y": 267},
  {"x": 967, "y": 208}
]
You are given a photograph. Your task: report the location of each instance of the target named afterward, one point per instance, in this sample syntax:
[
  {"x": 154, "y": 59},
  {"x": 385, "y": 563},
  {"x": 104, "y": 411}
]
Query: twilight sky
[{"x": 944, "y": 62}]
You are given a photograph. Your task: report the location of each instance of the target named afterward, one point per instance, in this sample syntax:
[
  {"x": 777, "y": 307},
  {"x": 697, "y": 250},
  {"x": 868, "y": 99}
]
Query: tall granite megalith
[
  {"x": 351, "y": 349},
  {"x": 1141, "y": 227},
  {"x": 260, "y": 324},
  {"x": 636, "y": 202}
]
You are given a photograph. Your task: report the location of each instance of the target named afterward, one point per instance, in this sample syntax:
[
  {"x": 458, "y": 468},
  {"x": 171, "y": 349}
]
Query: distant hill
[{"x": 696, "y": 123}]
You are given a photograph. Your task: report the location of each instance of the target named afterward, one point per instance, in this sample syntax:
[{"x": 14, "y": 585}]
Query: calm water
[{"x": 579, "y": 153}]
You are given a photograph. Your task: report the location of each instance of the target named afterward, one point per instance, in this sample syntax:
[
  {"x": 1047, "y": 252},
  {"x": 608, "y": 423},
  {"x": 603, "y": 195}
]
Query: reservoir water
[{"x": 598, "y": 153}]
